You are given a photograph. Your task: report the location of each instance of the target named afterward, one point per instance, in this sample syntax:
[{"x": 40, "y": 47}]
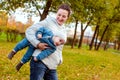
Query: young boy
[{"x": 45, "y": 36}]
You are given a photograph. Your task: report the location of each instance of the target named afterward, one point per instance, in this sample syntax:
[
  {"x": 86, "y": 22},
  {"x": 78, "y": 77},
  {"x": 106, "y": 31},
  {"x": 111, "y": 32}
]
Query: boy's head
[{"x": 58, "y": 40}]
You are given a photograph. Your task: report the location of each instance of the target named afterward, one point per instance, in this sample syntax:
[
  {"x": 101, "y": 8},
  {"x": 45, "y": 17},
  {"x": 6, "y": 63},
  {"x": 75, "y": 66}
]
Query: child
[{"x": 45, "y": 36}]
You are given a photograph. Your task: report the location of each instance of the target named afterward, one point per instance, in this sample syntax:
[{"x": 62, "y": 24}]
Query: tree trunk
[
  {"x": 7, "y": 36},
  {"x": 46, "y": 10},
  {"x": 82, "y": 32},
  {"x": 92, "y": 41},
  {"x": 106, "y": 45},
  {"x": 118, "y": 46},
  {"x": 81, "y": 37},
  {"x": 115, "y": 44},
  {"x": 102, "y": 37},
  {"x": 74, "y": 37},
  {"x": 96, "y": 38}
]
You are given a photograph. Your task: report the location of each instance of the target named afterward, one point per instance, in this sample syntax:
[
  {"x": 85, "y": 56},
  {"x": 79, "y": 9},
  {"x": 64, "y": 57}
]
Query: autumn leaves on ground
[{"x": 79, "y": 64}]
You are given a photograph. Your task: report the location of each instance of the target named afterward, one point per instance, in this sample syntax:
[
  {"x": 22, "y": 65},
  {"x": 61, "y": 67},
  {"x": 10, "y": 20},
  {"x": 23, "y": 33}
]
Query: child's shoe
[
  {"x": 11, "y": 54},
  {"x": 18, "y": 66}
]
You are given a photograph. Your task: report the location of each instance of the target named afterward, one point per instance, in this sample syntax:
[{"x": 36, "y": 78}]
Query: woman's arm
[{"x": 31, "y": 33}]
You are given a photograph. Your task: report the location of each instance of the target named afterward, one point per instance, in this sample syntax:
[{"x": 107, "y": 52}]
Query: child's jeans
[{"x": 22, "y": 44}]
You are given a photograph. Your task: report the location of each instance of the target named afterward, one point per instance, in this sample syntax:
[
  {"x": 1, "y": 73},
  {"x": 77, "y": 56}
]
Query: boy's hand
[
  {"x": 39, "y": 36},
  {"x": 35, "y": 59}
]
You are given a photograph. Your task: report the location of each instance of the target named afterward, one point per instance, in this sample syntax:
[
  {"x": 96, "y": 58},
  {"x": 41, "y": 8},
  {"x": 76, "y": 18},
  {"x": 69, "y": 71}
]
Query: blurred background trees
[{"x": 103, "y": 16}]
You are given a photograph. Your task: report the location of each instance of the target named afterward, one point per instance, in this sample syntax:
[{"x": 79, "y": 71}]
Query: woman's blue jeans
[{"x": 39, "y": 71}]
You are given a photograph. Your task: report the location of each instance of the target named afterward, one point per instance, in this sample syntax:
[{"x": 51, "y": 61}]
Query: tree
[
  {"x": 3, "y": 20},
  {"x": 78, "y": 15},
  {"x": 30, "y": 6},
  {"x": 112, "y": 17},
  {"x": 104, "y": 14}
]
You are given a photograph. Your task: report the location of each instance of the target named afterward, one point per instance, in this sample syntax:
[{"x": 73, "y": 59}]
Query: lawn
[{"x": 78, "y": 64}]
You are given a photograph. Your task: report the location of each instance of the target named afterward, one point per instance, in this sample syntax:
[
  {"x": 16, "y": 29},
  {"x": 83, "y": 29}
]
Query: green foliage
[{"x": 3, "y": 37}]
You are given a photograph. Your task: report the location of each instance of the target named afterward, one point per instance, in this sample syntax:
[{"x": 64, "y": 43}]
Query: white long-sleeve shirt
[{"x": 54, "y": 59}]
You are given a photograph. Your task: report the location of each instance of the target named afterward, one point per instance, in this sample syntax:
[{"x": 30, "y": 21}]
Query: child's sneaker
[
  {"x": 19, "y": 65},
  {"x": 11, "y": 54}
]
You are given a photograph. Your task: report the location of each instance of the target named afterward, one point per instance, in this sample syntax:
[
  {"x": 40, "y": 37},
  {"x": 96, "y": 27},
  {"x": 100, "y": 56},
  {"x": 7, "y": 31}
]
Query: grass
[
  {"x": 90, "y": 65},
  {"x": 78, "y": 64}
]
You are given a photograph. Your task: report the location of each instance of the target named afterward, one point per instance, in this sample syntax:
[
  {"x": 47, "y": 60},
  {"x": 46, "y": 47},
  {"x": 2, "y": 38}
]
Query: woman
[{"x": 46, "y": 68}]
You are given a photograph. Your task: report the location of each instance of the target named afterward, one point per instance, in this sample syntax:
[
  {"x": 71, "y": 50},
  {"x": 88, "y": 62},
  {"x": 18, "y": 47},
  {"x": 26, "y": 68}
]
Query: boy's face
[{"x": 58, "y": 41}]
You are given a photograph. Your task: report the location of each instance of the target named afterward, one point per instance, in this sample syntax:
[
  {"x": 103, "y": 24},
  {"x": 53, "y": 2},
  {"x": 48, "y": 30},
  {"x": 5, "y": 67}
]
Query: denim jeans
[
  {"x": 22, "y": 44},
  {"x": 27, "y": 56},
  {"x": 39, "y": 71}
]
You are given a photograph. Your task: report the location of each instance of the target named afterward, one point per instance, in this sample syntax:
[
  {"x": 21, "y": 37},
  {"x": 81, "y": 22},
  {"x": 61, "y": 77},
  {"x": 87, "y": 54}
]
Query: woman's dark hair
[{"x": 65, "y": 7}]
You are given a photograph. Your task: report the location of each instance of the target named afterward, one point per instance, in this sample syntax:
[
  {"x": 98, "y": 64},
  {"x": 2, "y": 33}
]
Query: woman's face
[{"x": 62, "y": 16}]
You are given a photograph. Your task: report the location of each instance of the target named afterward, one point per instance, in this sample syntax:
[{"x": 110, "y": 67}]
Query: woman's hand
[{"x": 42, "y": 46}]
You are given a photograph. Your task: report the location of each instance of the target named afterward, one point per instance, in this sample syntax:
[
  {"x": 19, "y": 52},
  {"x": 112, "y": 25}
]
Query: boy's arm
[
  {"x": 45, "y": 53},
  {"x": 39, "y": 33}
]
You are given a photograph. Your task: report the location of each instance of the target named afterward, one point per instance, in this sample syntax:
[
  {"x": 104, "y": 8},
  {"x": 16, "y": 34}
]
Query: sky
[{"x": 22, "y": 16}]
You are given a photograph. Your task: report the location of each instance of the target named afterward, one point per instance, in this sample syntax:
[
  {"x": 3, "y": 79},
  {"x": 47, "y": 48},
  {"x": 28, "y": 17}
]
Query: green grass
[{"x": 78, "y": 64}]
